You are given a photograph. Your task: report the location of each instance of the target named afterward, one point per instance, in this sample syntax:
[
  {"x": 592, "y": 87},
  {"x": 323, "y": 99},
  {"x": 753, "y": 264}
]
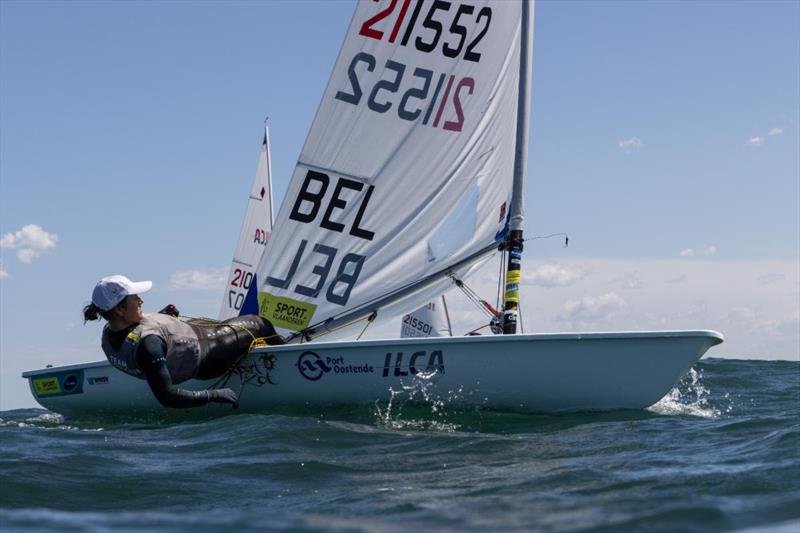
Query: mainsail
[
  {"x": 253, "y": 238},
  {"x": 406, "y": 175}
]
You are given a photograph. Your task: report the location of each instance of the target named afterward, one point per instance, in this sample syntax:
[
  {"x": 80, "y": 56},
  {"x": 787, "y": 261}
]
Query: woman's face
[{"x": 132, "y": 310}]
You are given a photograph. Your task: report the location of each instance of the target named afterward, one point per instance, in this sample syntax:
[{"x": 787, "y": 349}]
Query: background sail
[
  {"x": 430, "y": 320},
  {"x": 407, "y": 168},
  {"x": 253, "y": 238}
]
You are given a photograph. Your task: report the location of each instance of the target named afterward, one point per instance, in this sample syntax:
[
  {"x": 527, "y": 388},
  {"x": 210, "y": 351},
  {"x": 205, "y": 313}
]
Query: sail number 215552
[
  {"x": 413, "y": 92},
  {"x": 422, "y": 93},
  {"x": 467, "y": 27}
]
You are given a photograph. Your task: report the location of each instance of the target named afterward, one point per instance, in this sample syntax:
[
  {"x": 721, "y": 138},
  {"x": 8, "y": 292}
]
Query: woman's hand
[{"x": 223, "y": 396}]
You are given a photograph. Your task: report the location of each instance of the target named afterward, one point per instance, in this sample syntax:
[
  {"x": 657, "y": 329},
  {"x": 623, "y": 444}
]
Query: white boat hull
[{"x": 536, "y": 373}]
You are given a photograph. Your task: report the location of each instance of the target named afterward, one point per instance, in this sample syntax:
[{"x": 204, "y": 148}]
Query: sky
[{"x": 664, "y": 141}]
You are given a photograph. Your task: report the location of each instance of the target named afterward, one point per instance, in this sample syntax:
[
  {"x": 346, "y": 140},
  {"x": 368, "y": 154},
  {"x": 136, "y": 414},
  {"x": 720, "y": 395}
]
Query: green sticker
[
  {"x": 285, "y": 312},
  {"x": 47, "y": 386}
]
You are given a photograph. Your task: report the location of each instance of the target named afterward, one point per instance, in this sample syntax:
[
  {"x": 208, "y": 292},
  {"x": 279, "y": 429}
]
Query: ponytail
[{"x": 92, "y": 312}]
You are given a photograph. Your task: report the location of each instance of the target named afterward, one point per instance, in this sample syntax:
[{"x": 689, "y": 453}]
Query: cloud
[
  {"x": 769, "y": 279},
  {"x": 678, "y": 279},
  {"x": 760, "y": 141},
  {"x": 30, "y": 242},
  {"x": 631, "y": 281},
  {"x": 741, "y": 315},
  {"x": 789, "y": 326},
  {"x": 196, "y": 280},
  {"x": 634, "y": 143},
  {"x": 755, "y": 141},
  {"x": 709, "y": 251},
  {"x": 552, "y": 275},
  {"x": 26, "y": 255},
  {"x": 3, "y": 271},
  {"x": 591, "y": 308}
]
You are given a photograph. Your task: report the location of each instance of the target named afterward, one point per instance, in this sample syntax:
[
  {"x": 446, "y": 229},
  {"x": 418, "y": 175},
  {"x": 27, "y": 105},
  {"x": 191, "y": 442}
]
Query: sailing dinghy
[{"x": 411, "y": 177}]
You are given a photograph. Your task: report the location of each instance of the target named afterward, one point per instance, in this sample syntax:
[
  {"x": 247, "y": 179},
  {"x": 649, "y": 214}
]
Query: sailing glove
[
  {"x": 223, "y": 396},
  {"x": 170, "y": 310}
]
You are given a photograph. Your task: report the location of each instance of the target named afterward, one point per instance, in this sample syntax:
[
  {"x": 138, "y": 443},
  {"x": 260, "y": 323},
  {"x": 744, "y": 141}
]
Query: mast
[{"x": 517, "y": 211}]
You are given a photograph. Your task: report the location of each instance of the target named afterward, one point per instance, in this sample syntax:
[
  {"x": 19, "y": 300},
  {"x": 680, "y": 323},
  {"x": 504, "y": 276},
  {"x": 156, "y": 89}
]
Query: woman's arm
[{"x": 151, "y": 357}]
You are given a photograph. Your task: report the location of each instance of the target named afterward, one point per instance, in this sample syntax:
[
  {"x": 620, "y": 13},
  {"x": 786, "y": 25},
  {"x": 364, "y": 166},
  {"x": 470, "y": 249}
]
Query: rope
[
  {"x": 255, "y": 342},
  {"x": 501, "y": 281},
  {"x": 477, "y": 329},
  {"x": 304, "y": 335},
  {"x": 566, "y": 237},
  {"x": 472, "y": 296}
]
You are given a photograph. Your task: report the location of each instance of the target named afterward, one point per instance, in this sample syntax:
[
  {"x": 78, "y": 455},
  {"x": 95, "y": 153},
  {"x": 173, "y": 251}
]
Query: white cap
[{"x": 112, "y": 290}]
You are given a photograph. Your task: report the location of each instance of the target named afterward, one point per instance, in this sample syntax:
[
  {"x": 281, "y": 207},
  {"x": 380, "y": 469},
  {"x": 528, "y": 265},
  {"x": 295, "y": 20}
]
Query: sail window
[{"x": 457, "y": 228}]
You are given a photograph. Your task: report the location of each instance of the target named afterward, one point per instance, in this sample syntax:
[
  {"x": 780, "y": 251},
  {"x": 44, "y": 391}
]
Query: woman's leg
[{"x": 227, "y": 342}]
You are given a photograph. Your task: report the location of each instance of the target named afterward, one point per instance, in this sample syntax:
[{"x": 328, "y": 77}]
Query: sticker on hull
[
  {"x": 60, "y": 384},
  {"x": 285, "y": 312},
  {"x": 396, "y": 364},
  {"x": 312, "y": 366}
]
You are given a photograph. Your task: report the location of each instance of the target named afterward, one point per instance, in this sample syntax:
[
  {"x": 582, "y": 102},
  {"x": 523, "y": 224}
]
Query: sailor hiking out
[{"x": 166, "y": 350}]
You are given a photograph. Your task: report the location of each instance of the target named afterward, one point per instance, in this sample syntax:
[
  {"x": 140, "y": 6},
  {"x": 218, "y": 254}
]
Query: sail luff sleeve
[{"x": 523, "y": 118}]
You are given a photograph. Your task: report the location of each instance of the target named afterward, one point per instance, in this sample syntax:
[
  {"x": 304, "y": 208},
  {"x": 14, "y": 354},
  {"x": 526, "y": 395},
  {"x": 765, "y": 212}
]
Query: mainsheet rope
[{"x": 255, "y": 342}]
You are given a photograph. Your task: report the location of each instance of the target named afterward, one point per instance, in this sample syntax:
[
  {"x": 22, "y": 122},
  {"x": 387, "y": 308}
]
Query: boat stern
[{"x": 88, "y": 388}]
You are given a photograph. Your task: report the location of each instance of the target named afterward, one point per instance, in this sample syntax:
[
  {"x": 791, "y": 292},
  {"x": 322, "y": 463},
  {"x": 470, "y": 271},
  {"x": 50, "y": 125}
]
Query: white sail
[
  {"x": 430, "y": 320},
  {"x": 253, "y": 237},
  {"x": 406, "y": 173}
]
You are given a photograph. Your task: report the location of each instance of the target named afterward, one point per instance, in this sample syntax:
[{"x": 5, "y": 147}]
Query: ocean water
[{"x": 720, "y": 453}]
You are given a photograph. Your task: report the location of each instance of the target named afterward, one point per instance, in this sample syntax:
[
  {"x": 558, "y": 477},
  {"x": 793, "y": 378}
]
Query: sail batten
[{"x": 517, "y": 218}]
